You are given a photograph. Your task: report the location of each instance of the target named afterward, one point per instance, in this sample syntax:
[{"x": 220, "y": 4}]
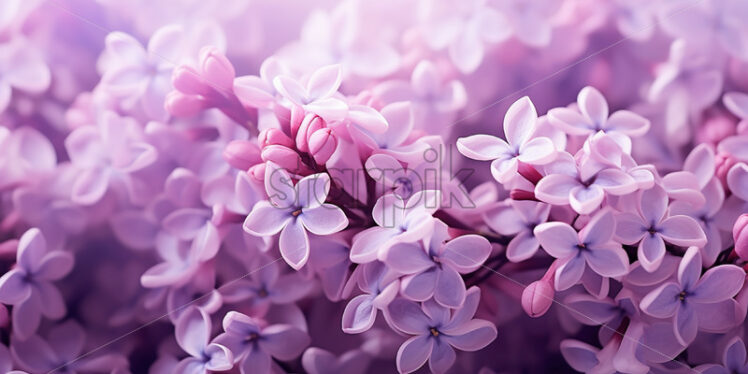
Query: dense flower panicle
[{"x": 299, "y": 187}]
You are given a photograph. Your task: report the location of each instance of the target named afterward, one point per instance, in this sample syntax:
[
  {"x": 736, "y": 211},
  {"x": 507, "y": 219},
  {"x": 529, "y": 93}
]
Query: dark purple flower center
[
  {"x": 434, "y": 332},
  {"x": 296, "y": 212}
]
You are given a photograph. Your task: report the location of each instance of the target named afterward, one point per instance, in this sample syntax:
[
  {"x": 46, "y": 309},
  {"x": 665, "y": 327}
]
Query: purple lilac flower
[
  {"x": 255, "y": 344},
  {"x": 651, "y": 226},
  {"x": 593, "y": 246},
  {"x": 292, "y": 210},
  {"x": 30, "y": 286},
  {"x": 437, "y": 332},
  {"x": 692, "y": 290}
]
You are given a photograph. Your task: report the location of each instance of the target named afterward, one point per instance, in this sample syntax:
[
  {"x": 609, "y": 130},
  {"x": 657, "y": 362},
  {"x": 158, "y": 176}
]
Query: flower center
[
  {"x": 682, "y": 295},
  {"x": 434, "y": 331},
  {"x": 296, "y": 212}
]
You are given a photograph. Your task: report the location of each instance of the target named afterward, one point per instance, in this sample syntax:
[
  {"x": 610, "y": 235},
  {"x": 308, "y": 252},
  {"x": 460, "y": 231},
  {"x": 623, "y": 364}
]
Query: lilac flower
[
  {"x": 255, "y": 345},
  {"x": 29, "y": 286},
  {"x": 395, "y": 141},
  {"x": 434, "y": 96},
  {"x": 258, "y": 91},
  {"x": 518, "y": 219},
  {"x": 437, "y": 332},
  {"x": 519, "y": 124},
  {"x": 433, "y": 266},
  {"x": 22, "y": 68},
  {"x": 592, "y": 117},
  {"x": 651, "y": 226},
  {"x": 704, "y": 24},
  {"x": 593, "y": 246},
  {"x": 62, "y": 350},
  {"x": 464, "y": 29},
  {"x": 398, "y": 221},
  {"x": 681, "y": 299},
  {"x": 380, "y": 286},
  {"x": 106, "y": 154},
  {"x": 331, "y": 262},
  {"x": 192, "y": 330},
  {"x": 265, "y": 286},
  {"x": 292, "y": 210},
  {"x": 715, "y": 196},
  {"x": 733, "y": 360},
  {"x": 530, "y": 22},
  {"x": 584, "y": 188},
  {"x": 143, "y": 75},
  {"x": 317, "y": 96}
]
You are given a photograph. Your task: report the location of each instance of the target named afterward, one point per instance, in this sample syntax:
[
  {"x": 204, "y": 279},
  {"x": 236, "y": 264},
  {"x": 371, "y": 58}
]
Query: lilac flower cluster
[{"x": 275, "y": 186}]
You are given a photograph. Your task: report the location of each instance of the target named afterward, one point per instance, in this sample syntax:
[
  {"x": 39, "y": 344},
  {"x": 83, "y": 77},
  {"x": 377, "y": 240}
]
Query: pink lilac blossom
[{"x": 274, "y": 186}]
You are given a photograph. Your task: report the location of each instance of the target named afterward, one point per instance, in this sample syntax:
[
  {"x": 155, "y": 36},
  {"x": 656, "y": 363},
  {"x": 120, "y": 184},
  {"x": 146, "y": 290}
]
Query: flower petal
[
  {"x": 408, "y": 258},
  {"x": 414, "y": 353},
  {"x": 482, "y": 147},
  {"x": 284, "y": 342},
  {"x": 294, "y": 244},
  {"x": 662, "y": 302},
  {"x": 558, "y": 239},
  {"x": 628, "y": 123},
  {"x": 556, "y": 188},
  {"x": 718, "y": 283},
  {"x": 466, "y": 253},
  {"x": 407, "y": 317},
  {"x": 593, "y": 105},
  {"x": 683, "y": 231},
  {"x": 569, "y": 273},
  {"x": 266, "y": 219},
  {"x": 442, "y": 357},
  {"x": 359, "y": 314},
  {"x": 519, "y": 121},
  {"x": 472, "y": 335},
  {"x": 651, "y": 252},
  {"x": 450, "y": 288},
  {"x": 686, "y": 324},
  {"x": 419, "y": 287},
  {"x": 538, "y": 151}
]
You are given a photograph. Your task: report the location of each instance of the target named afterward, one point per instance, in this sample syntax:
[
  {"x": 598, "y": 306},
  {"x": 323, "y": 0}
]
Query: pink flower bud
[
  {"x": 724, "y": 162},
  {"x": 242, "y": 154},
  {"x": 284, "y": 157},
  {"x": 308, "y": 126},
  {"x": 181, "y": 105},
  {"x": 537, "y": 298},
  {"x": 186, "y": 80},
  {"x": 217, "y": 69},
  {"x": 740, "y": 235},
  {"x": 273, "y": 136},
  {"x": 322, "y": 145},
  {"x": 257, "y": 172},
  {"x": 297, "y": 116}
]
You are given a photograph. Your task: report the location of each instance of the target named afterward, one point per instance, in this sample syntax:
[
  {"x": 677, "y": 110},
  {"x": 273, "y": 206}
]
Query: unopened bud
[
  {"x": 182, "y": 105},
  {"x": 273, "y": 136},
  {"x": 242, "y": 154},
  {"x": 257, "y": 172},
  {"x": 322, "y": 145},
  {"x": 537, "y": 298},
  {"x": 217, "y": 69},
  {"x": 740, "y": 235},
  {"x": 284, "y": 157},
  {"x": 188, "y": 81},
  {"x": 308, "y": 126}
]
